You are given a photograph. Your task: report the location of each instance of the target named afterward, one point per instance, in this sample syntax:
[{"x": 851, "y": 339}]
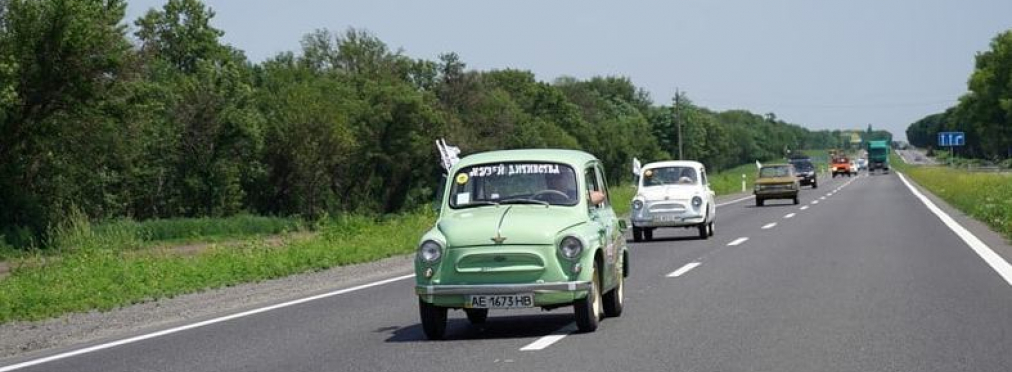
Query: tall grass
[
  {"x": 90, "y": 276},
  {"x": 729, "y": 181},
  {"x": 984, "y": 196}
]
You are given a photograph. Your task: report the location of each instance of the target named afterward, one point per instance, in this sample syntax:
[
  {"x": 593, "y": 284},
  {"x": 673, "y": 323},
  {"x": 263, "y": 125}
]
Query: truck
[{"x": 878, "y": 156}]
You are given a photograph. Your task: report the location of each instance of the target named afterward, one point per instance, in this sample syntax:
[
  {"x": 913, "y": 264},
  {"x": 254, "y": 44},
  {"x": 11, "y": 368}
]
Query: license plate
[
  {"x": 513, "y": 301},
  {"x": 666, "y": 218}
]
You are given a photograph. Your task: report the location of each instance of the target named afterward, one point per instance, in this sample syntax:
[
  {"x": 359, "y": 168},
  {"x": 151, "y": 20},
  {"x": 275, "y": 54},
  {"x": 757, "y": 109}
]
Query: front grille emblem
[{"x": 498, "y": 238}]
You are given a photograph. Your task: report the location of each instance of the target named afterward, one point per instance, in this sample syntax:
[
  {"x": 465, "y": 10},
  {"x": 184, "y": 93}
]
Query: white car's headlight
[
  {"x": 570, "y": 247},
  {"x": 697, "y": 202},
  {"x": 637, "y": 204},
  {"x": 430, "y": 251}
]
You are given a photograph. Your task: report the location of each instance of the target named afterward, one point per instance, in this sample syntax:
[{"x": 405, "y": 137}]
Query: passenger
[{"x": 565, "y": 183}]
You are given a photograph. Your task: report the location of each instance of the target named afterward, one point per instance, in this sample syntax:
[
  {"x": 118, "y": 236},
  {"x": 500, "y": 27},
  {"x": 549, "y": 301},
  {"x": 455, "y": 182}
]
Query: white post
[{"x": 743, "y": 182}]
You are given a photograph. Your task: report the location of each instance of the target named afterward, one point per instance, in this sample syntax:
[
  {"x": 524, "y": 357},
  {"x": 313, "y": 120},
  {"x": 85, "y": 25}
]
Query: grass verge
[
  {"x": 93, "y": 276},
  {"x": 986, "y": 197}
]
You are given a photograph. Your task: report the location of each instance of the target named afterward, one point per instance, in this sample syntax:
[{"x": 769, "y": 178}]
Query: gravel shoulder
[{"x": 25, "y": 338}]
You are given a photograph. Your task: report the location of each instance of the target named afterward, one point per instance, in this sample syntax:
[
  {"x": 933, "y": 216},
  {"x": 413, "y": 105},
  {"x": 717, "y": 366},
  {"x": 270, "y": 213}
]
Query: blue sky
[{"x": 818, "y": 63}]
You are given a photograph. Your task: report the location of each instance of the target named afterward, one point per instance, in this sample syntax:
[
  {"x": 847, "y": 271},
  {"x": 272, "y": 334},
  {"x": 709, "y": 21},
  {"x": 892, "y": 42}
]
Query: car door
[
  {"x": 607, "y": 221},
  {"x": 711, "y": 197}
]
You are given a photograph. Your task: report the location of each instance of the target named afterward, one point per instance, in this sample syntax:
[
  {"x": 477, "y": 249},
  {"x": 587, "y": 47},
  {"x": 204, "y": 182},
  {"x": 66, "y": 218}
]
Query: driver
[{"x": 565, "y": 183}]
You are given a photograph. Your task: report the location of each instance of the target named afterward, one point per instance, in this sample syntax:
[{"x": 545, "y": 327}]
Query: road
[
  {"x": 916, "y": 157},
  {"x": 860, "y": 276}
]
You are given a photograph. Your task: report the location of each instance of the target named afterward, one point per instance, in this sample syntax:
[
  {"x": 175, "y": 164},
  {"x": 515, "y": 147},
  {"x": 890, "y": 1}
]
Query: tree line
[
  {"x": 159, "y": 118},
  {"x": 984, "y": 113}
]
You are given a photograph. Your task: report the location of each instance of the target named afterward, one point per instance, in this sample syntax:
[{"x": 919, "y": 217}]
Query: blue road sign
[{"x": 946, "y": 139}]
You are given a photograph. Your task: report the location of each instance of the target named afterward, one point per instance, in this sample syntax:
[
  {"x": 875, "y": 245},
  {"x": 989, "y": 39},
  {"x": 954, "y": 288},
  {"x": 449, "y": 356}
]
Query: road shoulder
[{"x": 25, "y": 339}]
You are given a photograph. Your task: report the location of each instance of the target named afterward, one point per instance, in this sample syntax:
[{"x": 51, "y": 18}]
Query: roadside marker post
[{"x": 743, "y": 182}]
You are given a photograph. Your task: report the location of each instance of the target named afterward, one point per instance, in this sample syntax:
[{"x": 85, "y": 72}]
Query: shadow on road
[
  {"x": 496, "y": 327},
  {"x": 662, "y": 239}
]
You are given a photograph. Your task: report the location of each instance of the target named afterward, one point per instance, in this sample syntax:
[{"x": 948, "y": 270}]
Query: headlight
[
  {"x": 637, "y": 204},
  {"x": 430, "y": 251},
  {"x": 696, "y": 202},
  {"x": 570, "y": 247},
  {"x": 757, "y": 187}
]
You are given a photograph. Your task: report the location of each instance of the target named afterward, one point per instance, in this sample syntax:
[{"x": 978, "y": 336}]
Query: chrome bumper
[{"x": 486, "y": 289}]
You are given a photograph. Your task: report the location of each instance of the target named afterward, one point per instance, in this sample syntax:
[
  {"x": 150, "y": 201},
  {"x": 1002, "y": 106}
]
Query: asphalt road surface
[
  {"x": 860, "y": 276},
  {"x": 916, "y": 156}
]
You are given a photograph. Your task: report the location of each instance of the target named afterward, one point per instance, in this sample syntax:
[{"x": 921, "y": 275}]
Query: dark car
[{"x": 806, "y": 173}]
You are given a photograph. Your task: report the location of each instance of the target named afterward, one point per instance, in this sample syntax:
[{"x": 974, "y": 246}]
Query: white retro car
[{"x": 672, "y": 194}]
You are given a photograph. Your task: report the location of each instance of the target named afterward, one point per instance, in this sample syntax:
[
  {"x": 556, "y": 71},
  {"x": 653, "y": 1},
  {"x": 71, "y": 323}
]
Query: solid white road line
[
  {"x": 769, "y": 225},
  {"x": 547, "y": 341},
  {"x": 993, "y": 259},
  {"x": 735, "y": 201},
  {"x": 684, "y": 269},
  {"x": 804, "y": 207},
  {"x": 737, "y": 241},
  {"x": 789, "y": 215},
  {"x": 198, "y": 324}
]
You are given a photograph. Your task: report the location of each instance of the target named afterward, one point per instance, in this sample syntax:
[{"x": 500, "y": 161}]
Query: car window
[
  {"x": 603, "y": 182},
  {"x": 702, "y": 176},
  {"x": 767, "y": 172},
  {"x": 669, "y": 176},
  {"x": 590, "y": 176},
  {"x": 490, "y": 184}
]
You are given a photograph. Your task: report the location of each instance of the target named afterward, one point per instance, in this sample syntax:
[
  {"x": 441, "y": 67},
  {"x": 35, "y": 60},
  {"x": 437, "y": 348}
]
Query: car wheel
[
  {"x": 637, "y": 234},
  {"x": 713, "y": 227},
  {"x": 758, "y": 202},
  {"x": 476, "y": 316},
  {"x": 795, "y": 200},
  {"x": 433, "y": 320},
  {"x": 588, "y": 309},
  {"x": 815, "y": 185},
  {"x": 648, "y": 234},
  {"x": 704, "y": 230},
  {"x": 613, "y": 300}
]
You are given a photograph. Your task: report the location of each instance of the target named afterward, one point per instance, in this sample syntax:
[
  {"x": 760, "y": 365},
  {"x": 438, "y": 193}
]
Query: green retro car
[{"x": 522, "y": 229}]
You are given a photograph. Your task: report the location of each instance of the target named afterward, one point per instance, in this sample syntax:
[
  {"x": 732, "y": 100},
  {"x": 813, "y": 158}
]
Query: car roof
[
  {"x": 674, "y": 163},
  {"x": 571, "y": 157},
  {"x": 776, "y": 165}
]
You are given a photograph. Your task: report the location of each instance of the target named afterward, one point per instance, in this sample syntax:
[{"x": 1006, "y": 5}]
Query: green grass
[
  {"x": 621, "y": 198},
  {"x": 93, "y": 276},
  {"x": 729, "y": 181},
  {"x": 986, "y": 197}
]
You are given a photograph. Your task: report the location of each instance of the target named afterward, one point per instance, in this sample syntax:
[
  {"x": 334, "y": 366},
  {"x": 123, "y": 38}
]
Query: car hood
[
  {"x": 518, "y": 224},
  {"x": 668, "y": 192},
  {"x": 775, "y": 180}
]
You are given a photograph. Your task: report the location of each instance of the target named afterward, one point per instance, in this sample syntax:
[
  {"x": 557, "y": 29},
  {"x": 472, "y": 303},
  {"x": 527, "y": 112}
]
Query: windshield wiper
[
  {"x": 525, "y": 201},
  {"x": 477, "y": 203}
]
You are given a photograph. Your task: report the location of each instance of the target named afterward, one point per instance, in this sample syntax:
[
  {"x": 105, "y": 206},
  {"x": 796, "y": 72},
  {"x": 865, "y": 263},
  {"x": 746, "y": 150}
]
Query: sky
[{"x": 822, "y": 64}]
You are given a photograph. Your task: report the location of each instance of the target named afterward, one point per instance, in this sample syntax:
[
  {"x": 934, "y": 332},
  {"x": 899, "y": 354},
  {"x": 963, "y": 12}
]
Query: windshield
[
  {"x": 803, "y": 166},
  {"x": 514, "y": 183},
  {"x": 768, "y": 172},
  {"x": 669, "y": 176}
]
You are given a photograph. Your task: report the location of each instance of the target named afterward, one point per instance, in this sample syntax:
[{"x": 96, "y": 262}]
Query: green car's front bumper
[{"x": 545, "y": 294}]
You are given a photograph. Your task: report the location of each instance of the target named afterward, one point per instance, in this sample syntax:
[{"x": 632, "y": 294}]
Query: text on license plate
[
  {"x": 666, "y": 218},
  {"x": 511, "y": 301}
]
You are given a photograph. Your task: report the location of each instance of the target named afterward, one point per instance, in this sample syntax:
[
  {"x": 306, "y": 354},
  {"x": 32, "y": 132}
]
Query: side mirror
[{"x": 596, "y": 198}]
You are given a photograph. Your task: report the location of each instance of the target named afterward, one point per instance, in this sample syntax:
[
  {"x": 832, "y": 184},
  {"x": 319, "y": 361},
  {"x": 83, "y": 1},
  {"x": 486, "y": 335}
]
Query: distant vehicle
[
  {"x": 673, "y": 194},
  {"x": 862, "y": 164},
  {"x": 841, "y": 166},
  {"x": 878, "y": 156},
  {"x": 776, "y": 181},
  {"x": 805, "y": 171},
  {"x": 853, "y": 167},
  {"x": 522, "y": 229}
]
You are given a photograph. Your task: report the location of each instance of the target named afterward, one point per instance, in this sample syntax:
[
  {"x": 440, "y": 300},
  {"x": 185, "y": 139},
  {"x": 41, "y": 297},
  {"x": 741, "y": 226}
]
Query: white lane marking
[
  {"x": 822, "y": 198},
  {"x": 804, "y": 207},
  {"x": 547, "y": 341},
  {"x": 993, "y": 259},
  {"x": 815, "y": 202},
  {"x": 733, "y": 243},
  {"x": 735, "y": 201},
  {"x": 789, "y": 215},
  {"x": 829, "y": 194},
  {"x": 769, "y": 225},
  {"x": 684, "y": 269},
  {"x": 198, "y": 324}
]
